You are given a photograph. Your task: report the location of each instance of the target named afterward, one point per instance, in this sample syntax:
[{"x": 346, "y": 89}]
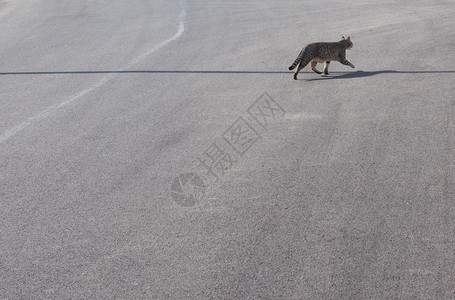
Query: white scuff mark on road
[
  {"x": 181, "y": 29},
  {"x": 304, "y": 116}
]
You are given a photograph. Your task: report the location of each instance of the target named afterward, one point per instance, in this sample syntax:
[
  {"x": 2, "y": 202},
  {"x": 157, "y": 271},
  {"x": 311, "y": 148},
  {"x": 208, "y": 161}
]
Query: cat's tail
[{"x": 297, "y": 60}]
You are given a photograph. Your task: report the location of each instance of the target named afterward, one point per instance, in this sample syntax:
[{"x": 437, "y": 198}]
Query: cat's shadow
[{"x": 360, "y": 74}]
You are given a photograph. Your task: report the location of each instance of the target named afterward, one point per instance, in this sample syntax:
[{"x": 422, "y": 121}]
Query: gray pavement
[{"x": 347, "y": 192}]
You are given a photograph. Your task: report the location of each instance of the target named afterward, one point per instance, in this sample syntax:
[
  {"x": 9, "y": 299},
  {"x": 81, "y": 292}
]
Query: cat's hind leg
[
  {"x": 299, "y": 67},
  {"x": 313, "y": 67},
  {"x": 326, "y": 67}
]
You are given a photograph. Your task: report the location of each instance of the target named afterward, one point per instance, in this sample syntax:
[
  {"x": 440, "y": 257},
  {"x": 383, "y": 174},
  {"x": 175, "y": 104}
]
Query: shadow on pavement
[{"x": 359, "y": 74}]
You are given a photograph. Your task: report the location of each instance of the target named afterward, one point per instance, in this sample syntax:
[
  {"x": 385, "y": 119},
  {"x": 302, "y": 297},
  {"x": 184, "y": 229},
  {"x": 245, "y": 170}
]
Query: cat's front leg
[
  {"x": 349, "y": 64},
  {"x": 346, "y": 62},
  {"x": 326, "y": 67}
]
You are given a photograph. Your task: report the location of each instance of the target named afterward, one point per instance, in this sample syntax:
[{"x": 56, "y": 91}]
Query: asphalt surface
[{"x": 347, "y": 192}]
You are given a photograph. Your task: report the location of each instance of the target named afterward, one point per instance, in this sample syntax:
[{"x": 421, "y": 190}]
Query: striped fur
[
  {"x": 297, "y": 60},
  {"x": 322, "y": 53}
]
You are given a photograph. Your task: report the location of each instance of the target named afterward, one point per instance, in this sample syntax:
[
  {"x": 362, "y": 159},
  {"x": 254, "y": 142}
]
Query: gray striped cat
[{"x": 322, "y": 53}]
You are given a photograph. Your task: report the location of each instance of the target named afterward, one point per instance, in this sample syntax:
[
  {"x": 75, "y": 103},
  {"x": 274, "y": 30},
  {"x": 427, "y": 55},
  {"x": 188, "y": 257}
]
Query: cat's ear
[{"x": 348, "y": 39}]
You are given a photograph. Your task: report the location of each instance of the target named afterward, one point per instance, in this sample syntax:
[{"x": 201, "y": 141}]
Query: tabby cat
[{"x": 322, "y": 53}]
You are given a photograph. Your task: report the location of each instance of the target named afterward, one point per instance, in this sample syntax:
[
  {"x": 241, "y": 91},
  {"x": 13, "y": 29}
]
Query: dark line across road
[{"x": 346, "y": 74}]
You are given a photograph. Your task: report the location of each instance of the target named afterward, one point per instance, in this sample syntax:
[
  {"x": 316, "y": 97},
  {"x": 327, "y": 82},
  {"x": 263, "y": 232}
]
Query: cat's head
[{"x": 347, "y": 42}]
